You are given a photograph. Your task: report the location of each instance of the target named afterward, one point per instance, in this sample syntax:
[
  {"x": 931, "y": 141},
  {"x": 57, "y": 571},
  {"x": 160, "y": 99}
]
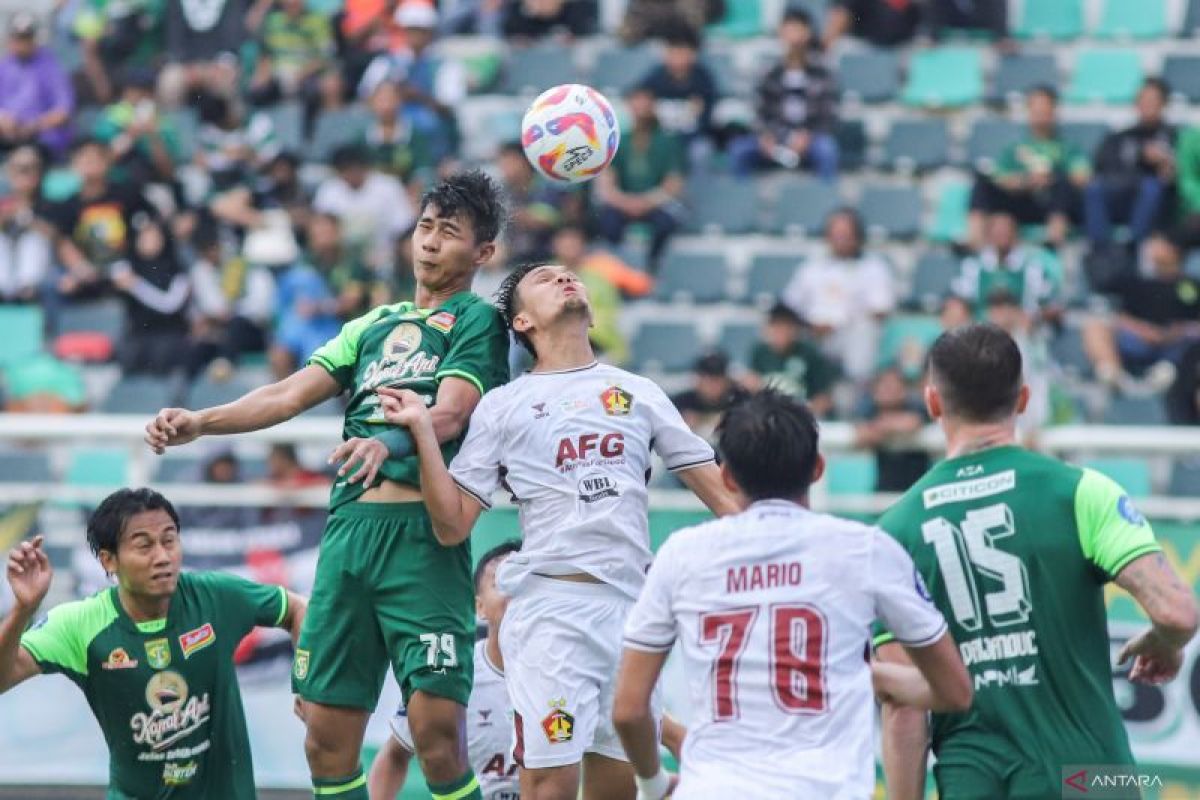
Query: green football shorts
[{"x": 385, "y": 590}]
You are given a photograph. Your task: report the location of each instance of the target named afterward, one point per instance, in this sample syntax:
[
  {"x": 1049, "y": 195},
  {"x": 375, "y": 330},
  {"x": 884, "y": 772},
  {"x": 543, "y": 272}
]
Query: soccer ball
[{"x": 570, "y": 133}]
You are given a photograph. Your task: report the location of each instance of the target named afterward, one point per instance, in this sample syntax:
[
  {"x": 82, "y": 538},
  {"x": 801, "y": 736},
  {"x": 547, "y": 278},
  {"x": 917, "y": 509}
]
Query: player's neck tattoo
[{"x": 986, "y": 441}]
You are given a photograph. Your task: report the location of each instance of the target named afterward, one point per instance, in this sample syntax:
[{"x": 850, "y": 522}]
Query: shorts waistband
[
  {"x": 380, "y": 510},
  {"x": 542, "y": 584}
]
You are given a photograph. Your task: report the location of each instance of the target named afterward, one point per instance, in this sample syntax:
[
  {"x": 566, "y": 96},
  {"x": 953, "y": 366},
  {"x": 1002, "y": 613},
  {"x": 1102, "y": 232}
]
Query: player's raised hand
[
  {"x": 171, "y": 428},
  {"x": 402, "y": 407},
  {"x": 29, "y": 573},
  {"x": 368, "y": 454},
  {"x": 1154, "y": 661}
]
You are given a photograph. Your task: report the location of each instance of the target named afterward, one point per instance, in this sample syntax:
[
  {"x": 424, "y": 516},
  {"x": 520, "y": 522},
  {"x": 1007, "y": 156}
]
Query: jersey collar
[{"x": 565, "y": 371}]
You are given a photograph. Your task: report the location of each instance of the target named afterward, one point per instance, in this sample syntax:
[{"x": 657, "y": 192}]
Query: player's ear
[
  {"x": 484, "y": 253},
  {"x": 108, "y": 562},
  {"x": 818, "y": 469},
  {"x": 933, "y": 401},
  {"x": 1022, "y": 398},
  {"x": 727, "y": 479}
]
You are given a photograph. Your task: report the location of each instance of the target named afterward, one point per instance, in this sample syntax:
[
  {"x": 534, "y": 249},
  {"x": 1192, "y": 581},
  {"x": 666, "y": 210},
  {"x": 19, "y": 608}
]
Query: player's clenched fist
[
  {"x": 172, "y": 427},
  {"x": 29, "y": 573},
  {"x": 402, "y": 407}
]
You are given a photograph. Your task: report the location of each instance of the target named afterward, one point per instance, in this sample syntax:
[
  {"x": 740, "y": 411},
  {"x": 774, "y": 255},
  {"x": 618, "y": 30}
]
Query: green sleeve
[
  {"x": 823, "y": 374},
  {"x": 1008, "y": 163},
  {"x": 761, "y": 360},
  {"x": 60, "y": 643},
  {"x": 246, "y": 601},
  {"x": 339, "y": 355},
  {"x": 1188, "y": 158},
  {"x": 1111, "y": 530},
  {"x": 478, "y": 349}
]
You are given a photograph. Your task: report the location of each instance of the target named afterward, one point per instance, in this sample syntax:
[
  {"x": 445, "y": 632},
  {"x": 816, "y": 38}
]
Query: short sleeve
[
  {"x": 478, "y": 349},
  {"x": 650, "y": 626},
  {"x": 58, "y": 644},
  {"x": 339, "y": 355},
  {"x": 401, "y": 731},
  {"x": 902, "y": 602},
  {"x": 1112, "y": 532},
  {"x": 679, "y": 448},
  {"x": 252, "y": 603},
  {"x": 476, "y": 468}
]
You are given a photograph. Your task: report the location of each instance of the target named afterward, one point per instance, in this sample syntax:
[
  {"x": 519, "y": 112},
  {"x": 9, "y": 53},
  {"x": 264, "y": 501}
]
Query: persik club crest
[
  {"x": 119, "y": 659},
  {"x": 559, "y": 724},
  {"x": 158, "y": 653},
  {"x": 616, "y": 401}
]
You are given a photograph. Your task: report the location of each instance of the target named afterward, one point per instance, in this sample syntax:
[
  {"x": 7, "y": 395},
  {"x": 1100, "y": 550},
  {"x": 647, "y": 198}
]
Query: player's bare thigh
[
  {"x": 334, "y": 738},
  {"x": 604, "y": 778}
]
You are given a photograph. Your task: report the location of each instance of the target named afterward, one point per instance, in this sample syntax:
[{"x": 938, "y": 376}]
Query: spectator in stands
[
  {"x": 116, "y": 35},
  {"x": 295, "y": 55},
  {"x": 374, "y": 208},
  {"x": 221, "y": 466},
  {"x": 475, "y": 17},
  {"x": 570, "y": 249},
  {"x": 1188, "y": 165},
  {"x": 535, "y": 208},
  {"x": 356, "y": 290},
  {"x": 882, "y": 23},
  {"x": 1157, "y": 322},
  {"x": 653, "y": 19},
  {"x": 155, "y": 289},
  {"x": 796, "y": 109},
  {"x": 430, "y": 86},
  {"x": 1030, "y": 274},
  {"x": 284, "y": 470},
  {"x": 369, "y": 29},
  {"x": 1038, "y": 180},
  {"x": 233, "y": 304},
  {"x": 845, "y": 294},
  {"x": 144, "y": 142},
  {"x": 24, "y": 247},
  {"x": 36, "y": 100},
  {"x": 306, "y": 317},
  {"x": 93, "y": 227},
  {"x": 1134, "y": 169},
  {"x": 396, "y": 148},
  {"x": 786, "y": 360},
  {"x": 527, "y": 20},
  {"x": 204, "y": 44},
  {"x": 645, "y": 181},
  {"x": 889, "y": 418},
  {"x": 230, "y": 147},
  {"x": 684, "y": 88},
  {"x": 712, "y": 391},
  {"x": 1004, "y": 309},
  {"x": 42, "y": 384},
  {"x": 968, "y": 15}
]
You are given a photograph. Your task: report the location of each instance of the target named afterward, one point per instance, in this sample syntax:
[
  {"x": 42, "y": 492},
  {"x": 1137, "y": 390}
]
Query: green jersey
[
  {"x": 1015, "y": 548},
  {"x": 406, "y": 347},
  {"x": 164, "y": 692}
]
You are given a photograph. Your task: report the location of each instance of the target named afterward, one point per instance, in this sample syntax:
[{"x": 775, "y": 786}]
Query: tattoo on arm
[{"x": 1154, "y": 584}]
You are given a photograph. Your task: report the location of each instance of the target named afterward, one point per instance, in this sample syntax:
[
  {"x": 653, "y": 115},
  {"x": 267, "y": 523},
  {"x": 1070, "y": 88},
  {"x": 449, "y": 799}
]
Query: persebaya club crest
[
  {"x": 158, "y": 653},
  {"x": 300, "y": 668}
]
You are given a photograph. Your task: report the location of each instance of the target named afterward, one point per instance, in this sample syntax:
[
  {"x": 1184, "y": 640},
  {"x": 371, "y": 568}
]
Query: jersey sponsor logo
[
  {"x": 197, "y": 639},
  {"x": 577, "y": 451},
  {"x": 442, "y": 321},
  {"x": 559, "y": 724},
  {"x": 179, "y": 774},
  {"x": 402, "y": 342},
  {"x": 416, "y": 366},
  {"x": 616, "y": 401},
  {"x": 963, "y": 491},
  {"x": 595, "y": 487},
  {"x": 573, "y": 406},
  {"x": 969, "y": 471},
  {"x": 751, "y": 577},
  {"x": 1129, "y": 512},
  {"x": 300, "y": 667},
  {"x": 174, "y": 714},
  {"x": 119, "y": 659},
  {"x": 539, "y": 411},
  {"x": 986, "y": 649},
  {"x": 1007, "y": 677},
  {"x": 158, "y": 653}
]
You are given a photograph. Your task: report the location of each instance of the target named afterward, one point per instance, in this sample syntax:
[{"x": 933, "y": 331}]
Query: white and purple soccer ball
[{"x": 570, "y": 133}]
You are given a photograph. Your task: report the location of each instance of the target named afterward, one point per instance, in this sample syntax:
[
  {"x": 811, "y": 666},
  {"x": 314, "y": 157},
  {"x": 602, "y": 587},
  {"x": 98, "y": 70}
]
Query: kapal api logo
[{"x": 174, "y": 713}]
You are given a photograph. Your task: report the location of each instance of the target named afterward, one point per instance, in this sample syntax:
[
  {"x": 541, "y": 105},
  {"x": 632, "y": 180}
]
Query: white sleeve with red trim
[
  {"x": 651, "y": 625},
  {"x": 902, "y": 602}
]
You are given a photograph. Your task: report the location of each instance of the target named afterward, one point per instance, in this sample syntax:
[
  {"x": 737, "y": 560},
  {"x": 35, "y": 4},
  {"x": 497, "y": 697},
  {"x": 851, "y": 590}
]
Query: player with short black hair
[
  {"x": 154, "y": 654},
  {"x": 1016, "y": 549},
  {"x": 385, "y": 589},
  {"x": 789, "y": 465}
]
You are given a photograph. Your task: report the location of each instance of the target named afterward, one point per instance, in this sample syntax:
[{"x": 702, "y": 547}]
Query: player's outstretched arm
[
  {"x": 293, "y": 618},
  {"x": 1171, "y": 607},
  {"x": 262, "y": 408},
  {"x": 905, "y": 736},
  {"x": 706, "y": 483},
  {"x": 634, "y": 721},
  {"x": 29, "y": 576}
]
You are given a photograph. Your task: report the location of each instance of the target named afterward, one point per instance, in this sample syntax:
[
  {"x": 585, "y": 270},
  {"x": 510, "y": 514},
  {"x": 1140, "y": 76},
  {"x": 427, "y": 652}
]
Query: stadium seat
[
  {"x": 916, "y": 145},
  {"x": 725, "y": 74},
  {"x": 872, "y": 76},
  {"x": 944, "y": 77},
  {"x": 851, "y": 473},
  {"x": 179, "y": 470},
  {"x": 139, "y": 394},
  {"x": 1105, "y": 76},
  {"x": 738, "y": 339},
  {"x": 1067, "y": 351},
  {"x": 666, "y": 346},
  {"x": 1185, "y": 477},
  {"x": 620, "y": 68},
  {"x": 1183, "y": 74},
  {"x": 336, "y": 129},
  {"x": 1132, "y": 473},
  {"x": 1191, "y": 20},
  {"x": 1018, "y": 73},
  {"x": 187, "y": 124},
  {"x": 988, "y": 139},
  {"x": 802, "y": 206},
  {"x": 98, "y": 466},
  {"x": 1084, "y": 135},
  {"x": 532, "y": 70},
  {"x": 333, "y": 407},
  {"x": 723, "y": 204},
  {"x": 906, "y": 337},
  {"x": 25, "y": 466},
  {"x": 932, "y": 276},
  {"x": 743, "y": 18},
  {"x": 893, "y": 210},
  {"x": 1132, "y": 19},
  {"x": 100, "y": 316},
  {"x": 700, "y": 277},
  {"x": 206, "y": 393},
  {"x": 770, "y": 273},
  {"x": 288, "y": 121},
  {"x": 1050, "y": 19},
  {"x": 1125, "y": 410},
  {"x": 21, "y": 330},
  {"x": 851, "y": 137},
  {"x": 950, "y": 212}
]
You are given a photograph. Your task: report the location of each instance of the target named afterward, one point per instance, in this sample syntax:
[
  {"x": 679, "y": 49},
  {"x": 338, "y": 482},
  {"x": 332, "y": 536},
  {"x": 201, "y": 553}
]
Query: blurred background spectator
[
  {"x": 36, "y": 99},
  {"x": 712, "y": 390},
  {"x": 144, "y": 142},
  {"x": 653, "y": 19},
  {"x": 685, "y": 91},
  {"x": 535, "y": 209},
  {"x": 295, "y": 58},
  {"x": 785, "y": 359},
  {"x": 25, "y": 258},
  {"x": 372, "y": 206},
  {"x": 571, "y": 251},
  {"x": 882, "y": 23},
  {"x": 1030, "y": 274},
  {"x": 527, "y": 20},
  {"x": 888, "y": 419}
]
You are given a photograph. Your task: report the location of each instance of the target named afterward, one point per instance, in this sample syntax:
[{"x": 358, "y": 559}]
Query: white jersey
[
  {"x": 772, "y": 611},
  {"x": 489, "y": 731},
  {"x": 573, "y": 447}
]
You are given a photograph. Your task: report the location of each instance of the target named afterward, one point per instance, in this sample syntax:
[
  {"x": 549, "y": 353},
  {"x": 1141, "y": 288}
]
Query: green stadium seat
[
  {"x": 932, "y": 276},
  {"x": 139, "y": 394},
  {"x": 25, "y": 466},
  {"x": 287, "y": 120},
  {"x": 950, "y": 212},
  {"x": 98, "y": 466},
  {"x": 1183, "y": 73},
  {"x": 1084, "y": 135},
  {"x": 988, "y": 139},
  {"x": 1191, "y": 20},
  {"x": 851, "y": 137},
  {"x": 1133, "y": 474},
  {"x": 618, "y": 69},
  {"x": 1132, "y": 19},
  {"x": 532, "y": 70},
  {"x": 916, "y": 145},
  {"x": 1050, "y": 19},
  {"x": 21, "y": 328},
  {"x": 871, "y": 77},
  {"x": 802, "y": 206},
  {"x": 743, "y": 19},
  {"x": 1126, "y": 410},
  {"x": 770, "y": 273},
  {"x": 892, "y": 210},
  {"x": 738, "y": 339},
  {"x": 179, "y": 470},
  {"x": 851, "y": 474},
  {"x": 666, "y": 346},
  {"x": 336, "y": 129},
  {"x": 700, "y": 277},
  {"x": 722, "y": 203},
  {"x": 1111, "y": 75},
  {"x": 944, "y": 77},
  {"x": 1185, "y": 478},
  {"x": 907, "y": 333},
  {"x": 101, "y": 316},
  {"x": 1018, "y": 73}
]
